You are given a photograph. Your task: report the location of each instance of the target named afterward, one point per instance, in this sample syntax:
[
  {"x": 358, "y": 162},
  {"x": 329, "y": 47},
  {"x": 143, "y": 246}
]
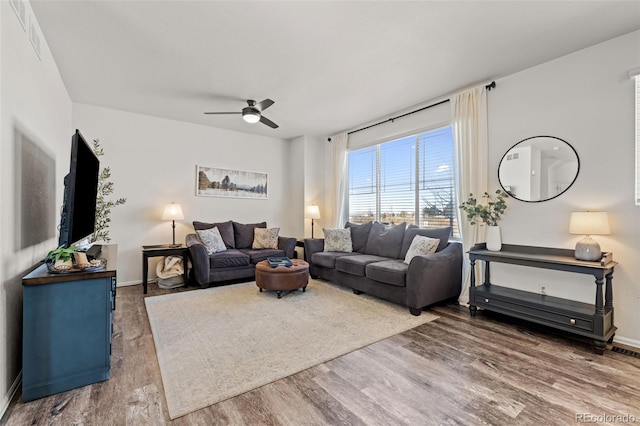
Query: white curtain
[
  {"x": 340, "y": 180},
  {"x": 469, "y": 122}
]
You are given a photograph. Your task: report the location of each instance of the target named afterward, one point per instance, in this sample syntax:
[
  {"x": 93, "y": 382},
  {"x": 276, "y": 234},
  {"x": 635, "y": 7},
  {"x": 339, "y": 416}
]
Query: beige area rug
[{"x": 220, "y": 342}]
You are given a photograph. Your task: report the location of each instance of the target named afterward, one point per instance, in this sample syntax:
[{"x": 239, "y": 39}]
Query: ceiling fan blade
[
  {"x": 223, "y": 113},
  {"x": 268, "y": 122},
  {"x": 262, "y": 105}
]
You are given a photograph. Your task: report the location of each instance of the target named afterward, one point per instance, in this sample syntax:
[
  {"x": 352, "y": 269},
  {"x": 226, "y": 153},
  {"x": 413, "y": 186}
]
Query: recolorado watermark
[{"x": 605, "y": 418}]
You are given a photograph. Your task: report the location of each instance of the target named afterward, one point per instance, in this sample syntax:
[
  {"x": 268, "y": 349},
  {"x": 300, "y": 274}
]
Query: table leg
[{"x": 145, "y": 272}]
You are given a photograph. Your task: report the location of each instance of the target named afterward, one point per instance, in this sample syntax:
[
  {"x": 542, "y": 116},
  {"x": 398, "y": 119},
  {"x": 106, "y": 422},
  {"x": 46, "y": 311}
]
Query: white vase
[{"x": 494, "y": 241}]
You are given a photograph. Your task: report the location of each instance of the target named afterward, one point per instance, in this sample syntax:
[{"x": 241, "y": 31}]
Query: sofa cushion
[
  {"x": 243, "y": 233},
  {"x": 392, "y": 272},
  {"x": 212, "y": 240},
  {"x": 385, "y": 241},
  {"x": 228, "y": 258},
  {"x": 225, "y": 228},
  {"x": 327, "y": 259},
  {"x": 356, "y": 264},
  {"x": 337, "y": 240},
  {"x": 262, "y": 254},
  {"x": 265, "y": 238},
  {"x": 359, "y": 235},
  {"x": 421, "y": 246},
  {"x": 441, "y": 234}
]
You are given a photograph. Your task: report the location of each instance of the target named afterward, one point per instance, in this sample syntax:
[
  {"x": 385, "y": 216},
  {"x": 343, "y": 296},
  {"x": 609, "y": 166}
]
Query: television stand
[{"x": 594, "y": 321}]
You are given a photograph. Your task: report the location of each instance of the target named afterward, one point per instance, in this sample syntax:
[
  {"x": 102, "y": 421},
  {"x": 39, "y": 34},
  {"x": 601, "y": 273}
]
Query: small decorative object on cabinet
[
  {"x": 594, "y": 321},
  {"x": 67, "y": 327},
  {"x": 489, "y": 214},
  {"x": 589, "y": 223}
]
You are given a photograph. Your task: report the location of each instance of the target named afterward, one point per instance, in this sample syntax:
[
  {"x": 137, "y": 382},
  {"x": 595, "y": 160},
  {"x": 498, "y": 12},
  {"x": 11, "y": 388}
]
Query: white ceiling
[{"x": 328, "y": 65}]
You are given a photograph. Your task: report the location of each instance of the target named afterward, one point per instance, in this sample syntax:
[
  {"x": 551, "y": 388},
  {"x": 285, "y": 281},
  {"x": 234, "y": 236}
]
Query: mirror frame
[{"x": 546, "y": 199}]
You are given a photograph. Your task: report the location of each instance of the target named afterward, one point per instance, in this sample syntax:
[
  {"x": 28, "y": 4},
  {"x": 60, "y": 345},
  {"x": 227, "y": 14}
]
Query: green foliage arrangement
[
  {"x": 61, "y": 253},
  {"x": 489, "y": 213},
  {"x": 103, "y": 203}
]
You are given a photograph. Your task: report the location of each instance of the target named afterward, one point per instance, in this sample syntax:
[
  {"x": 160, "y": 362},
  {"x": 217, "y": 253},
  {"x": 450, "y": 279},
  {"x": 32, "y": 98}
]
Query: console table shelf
[{"x": 594, "y": 321}]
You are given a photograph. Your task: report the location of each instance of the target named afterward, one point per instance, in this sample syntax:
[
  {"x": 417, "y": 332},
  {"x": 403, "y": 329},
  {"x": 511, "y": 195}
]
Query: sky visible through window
[{"x": 383, "y": 180}]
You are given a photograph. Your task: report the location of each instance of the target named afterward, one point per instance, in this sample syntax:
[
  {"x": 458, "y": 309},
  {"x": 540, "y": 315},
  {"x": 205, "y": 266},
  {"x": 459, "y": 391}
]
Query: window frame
[{"x": 417, "y": 212}]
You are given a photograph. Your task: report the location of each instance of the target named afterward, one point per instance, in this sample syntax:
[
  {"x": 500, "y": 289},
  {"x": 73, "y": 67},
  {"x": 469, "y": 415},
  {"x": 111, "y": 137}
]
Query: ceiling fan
[{"x": 253, "y": 112}]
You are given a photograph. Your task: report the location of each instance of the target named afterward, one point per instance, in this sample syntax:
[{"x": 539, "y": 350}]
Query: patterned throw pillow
[
  {"x": 338, "y": 240},
  {"x": 265, "y": 238},
  {"x": 212, "y": 240},
  {"x": 421, "y": 245}
]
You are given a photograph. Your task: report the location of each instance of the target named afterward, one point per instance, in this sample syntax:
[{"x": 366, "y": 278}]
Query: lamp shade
[
  {"x": 172, "y": 211},
  {"x": 313, "y": 212},
  {"x": 589, "y": 223}
]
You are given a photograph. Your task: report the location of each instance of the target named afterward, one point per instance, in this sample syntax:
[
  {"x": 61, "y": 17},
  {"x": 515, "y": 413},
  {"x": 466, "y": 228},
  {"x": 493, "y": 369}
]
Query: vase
[{"x": 494, "y": 241}]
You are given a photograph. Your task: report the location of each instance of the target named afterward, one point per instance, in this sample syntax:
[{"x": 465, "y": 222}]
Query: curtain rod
[{"x": 392, "y": 119}]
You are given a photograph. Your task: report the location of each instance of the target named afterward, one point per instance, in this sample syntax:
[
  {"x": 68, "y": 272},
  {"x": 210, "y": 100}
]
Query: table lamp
[
  {"x": 589, "y": 223},
  {"x": 313, "y": 212},
  {"x": 173, "y": 212}
]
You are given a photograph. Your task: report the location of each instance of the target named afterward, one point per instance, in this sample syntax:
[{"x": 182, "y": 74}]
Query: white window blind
[{"x": 405, "y": 180}]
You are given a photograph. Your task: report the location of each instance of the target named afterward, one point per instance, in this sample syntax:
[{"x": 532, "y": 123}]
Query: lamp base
[{"x": 588, "y": 249}]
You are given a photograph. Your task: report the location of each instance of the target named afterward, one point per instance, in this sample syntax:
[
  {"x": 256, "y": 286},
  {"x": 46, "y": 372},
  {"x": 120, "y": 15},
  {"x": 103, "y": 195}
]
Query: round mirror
[{"x": 538, "y": 168}]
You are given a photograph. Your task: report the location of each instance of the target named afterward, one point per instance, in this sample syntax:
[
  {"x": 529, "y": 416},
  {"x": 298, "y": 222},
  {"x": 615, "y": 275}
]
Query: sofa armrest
[
  {"x": 435, "y": 277},
  {"x": 288, "y": 245},
  {"x": 199, "y": 259},
  {"x": 312, "y": 245}
]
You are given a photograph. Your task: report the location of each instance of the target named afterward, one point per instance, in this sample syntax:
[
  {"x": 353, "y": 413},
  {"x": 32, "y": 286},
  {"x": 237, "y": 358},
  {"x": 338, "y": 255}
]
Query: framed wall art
[{"x": 217, "y": 182}]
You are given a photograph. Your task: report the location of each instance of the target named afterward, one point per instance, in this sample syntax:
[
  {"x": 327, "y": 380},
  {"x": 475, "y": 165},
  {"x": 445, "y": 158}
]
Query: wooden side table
[{"x": 162, "y": 250}]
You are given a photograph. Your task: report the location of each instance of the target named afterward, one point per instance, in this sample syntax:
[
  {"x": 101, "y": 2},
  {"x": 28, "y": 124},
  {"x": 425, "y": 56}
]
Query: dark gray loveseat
[
  {"x": 239, "y": 260},
  {"x": 376, "y": 265}
]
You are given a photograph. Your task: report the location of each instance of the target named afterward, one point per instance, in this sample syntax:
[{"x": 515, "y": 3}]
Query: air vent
[
  {"x": 625, "y": 352},
  {"x": 21, "y": 11},
  {"x": 34, "y": 35}
]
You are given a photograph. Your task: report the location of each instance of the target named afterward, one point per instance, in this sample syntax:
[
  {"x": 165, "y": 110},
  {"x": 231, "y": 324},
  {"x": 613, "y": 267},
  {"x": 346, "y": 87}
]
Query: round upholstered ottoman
[{"x": 282, "y": 278}]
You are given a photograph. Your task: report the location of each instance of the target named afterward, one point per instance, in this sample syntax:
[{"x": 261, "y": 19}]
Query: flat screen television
[{"x": 78, "y": 215}]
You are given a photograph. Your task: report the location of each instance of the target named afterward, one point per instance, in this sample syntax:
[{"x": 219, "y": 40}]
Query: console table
[{"x": 594, "y": 321}]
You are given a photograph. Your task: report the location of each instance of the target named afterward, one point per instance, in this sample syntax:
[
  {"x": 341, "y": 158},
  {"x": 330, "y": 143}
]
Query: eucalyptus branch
[{"x": 490, "y": 213}]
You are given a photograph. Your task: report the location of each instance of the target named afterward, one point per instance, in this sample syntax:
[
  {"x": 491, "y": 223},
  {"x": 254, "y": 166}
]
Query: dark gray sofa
[
  {"x": 238, "y": 262},
  {"x": 376, "y": 265}
]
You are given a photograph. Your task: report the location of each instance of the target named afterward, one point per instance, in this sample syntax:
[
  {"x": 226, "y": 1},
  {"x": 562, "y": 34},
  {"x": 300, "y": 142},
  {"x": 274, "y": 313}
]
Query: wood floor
[{"x": 455, "y": 370}]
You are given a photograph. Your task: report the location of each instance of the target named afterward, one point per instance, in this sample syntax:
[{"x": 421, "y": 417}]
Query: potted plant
[
  {"x": 61, "y": 258},
  {"x": 489, "y": 213},
  {"x": 103, "y": 203}
]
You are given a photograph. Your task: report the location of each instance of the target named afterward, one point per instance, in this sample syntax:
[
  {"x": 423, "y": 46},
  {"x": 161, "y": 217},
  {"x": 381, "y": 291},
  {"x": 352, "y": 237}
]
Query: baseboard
[
  {"x": 626, "y": 341},
  {"x": 128, "y": 283},
  {"x": 4, "y": 403}
]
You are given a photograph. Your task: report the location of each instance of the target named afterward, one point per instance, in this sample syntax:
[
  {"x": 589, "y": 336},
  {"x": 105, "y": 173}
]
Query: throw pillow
[
  {"x": 265, "y": 238},
  {"x": 441, "y": 234},
  {"x": 243, "y": 233},
  {"x": 212, "y": 240},
  {"x": 225, "y": 228},
  {"x": 338, "y": 240},
  {"x": 420, "y": 246},
  {"x": 385, "y": 241},
  {"x": 359, "y": 235}
]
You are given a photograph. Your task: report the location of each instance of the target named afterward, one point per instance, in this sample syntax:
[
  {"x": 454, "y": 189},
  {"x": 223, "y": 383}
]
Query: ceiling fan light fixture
[{"x": 251, "y": 115}]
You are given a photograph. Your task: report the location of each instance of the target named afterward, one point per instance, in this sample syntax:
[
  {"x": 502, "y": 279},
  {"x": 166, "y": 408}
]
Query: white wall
[
  {"x": 32, "y": 98},
  {"x": 585, "y": 98},
  {"x": 153, "y": 162}
]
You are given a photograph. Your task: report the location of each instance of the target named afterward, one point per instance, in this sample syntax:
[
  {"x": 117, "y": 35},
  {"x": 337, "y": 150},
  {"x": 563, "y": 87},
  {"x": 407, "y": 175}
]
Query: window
[{"x": 406, "y": 180}]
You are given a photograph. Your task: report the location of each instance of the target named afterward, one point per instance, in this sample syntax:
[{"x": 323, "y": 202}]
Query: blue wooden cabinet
[{"x": 67, "y": 328}]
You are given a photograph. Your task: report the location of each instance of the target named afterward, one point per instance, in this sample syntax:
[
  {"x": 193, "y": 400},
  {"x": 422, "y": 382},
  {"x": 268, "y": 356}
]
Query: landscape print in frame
[{"x": 217, "y": 182}]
